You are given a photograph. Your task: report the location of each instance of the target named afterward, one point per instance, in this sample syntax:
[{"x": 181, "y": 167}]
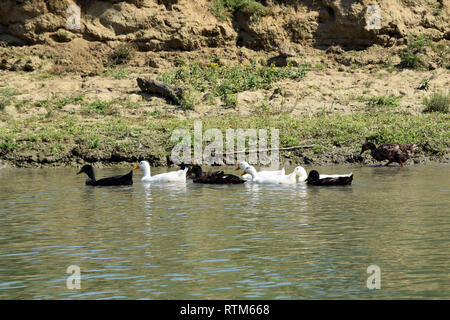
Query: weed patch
[
  {"x": 224, "y": 81},
  {"x": 437, "y": 102}
]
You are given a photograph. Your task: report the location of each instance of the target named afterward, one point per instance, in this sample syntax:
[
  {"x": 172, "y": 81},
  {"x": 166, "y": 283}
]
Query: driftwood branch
[
  {"x": 160, "y": 88},
  {"x": 271, "y": 149}
]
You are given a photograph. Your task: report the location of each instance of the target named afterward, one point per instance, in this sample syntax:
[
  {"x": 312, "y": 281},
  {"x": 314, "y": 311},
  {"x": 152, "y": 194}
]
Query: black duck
[
  {"x": 124, "y": 180},
  {"x": 315, "y": 180},
  {"x": 216, "y": 177}
]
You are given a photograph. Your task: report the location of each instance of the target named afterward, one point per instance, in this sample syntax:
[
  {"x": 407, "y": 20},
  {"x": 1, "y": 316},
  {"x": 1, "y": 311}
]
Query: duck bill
[
  {"x": 243, "y": 174},
  {"x": 136, "y": 168},
  {"x": 237, "y": 169},
  {"x": 81, "y": 171}
]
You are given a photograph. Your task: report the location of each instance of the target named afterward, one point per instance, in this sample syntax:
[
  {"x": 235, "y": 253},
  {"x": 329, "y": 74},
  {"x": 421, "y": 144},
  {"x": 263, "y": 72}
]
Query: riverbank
[
  {"x": 332, "y": 102},
  {"x": 68, "y": 140}
]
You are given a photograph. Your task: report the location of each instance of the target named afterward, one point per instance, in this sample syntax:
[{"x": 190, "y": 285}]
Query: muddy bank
[{"x": 76, "y": 158}]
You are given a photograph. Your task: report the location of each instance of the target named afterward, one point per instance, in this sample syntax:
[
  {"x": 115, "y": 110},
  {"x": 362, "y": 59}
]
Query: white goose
[
  {"x": 302, "y": 175},
  {"x": 265, "y": 173},
  {"x": 271, "y": 179},
  {"x": 174, "y": 176}
]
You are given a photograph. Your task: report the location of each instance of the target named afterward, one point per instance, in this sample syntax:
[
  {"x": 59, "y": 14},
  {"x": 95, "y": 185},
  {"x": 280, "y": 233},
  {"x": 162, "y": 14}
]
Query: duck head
[
  {"x": 300, "y": 172},
  {"x": 313, "y": 176},
  {"x": 250, "y": 170},
  {"x": 196, "y": 170},
  {"x": 144, "y": 165},
  {"x": 89, "y": 170},
  {"x": 367, "y": 146},
  {"x": 242, "y": 165}
]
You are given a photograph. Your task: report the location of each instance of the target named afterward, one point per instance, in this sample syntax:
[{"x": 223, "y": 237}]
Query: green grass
[
  {"x": 225, "y": 81},
  {"x": 43, "y": 76},
  {"x": 7, "y": 97},
  {"x": 414, "y": 56},
  {"x": 101, "y": 107},
  {"x": 437, "y": 102},
  {"x": 324, "y": 130},
  {"x": 383, "y": 101},
  {"x": 117, "y": 72},
  {"x": 411, "y": 56},
  {"x": 59, "y": 102}
]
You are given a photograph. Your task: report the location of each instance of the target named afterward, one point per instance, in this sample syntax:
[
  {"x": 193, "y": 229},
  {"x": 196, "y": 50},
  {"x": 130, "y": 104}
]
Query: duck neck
[
  {"x": 302, "y": 176},
  {"x": 198, "y": 171},
  {"x": 90, "y": 173},
  {"x": 252, "y": 172},
  {"x": 147, "y": 171}
]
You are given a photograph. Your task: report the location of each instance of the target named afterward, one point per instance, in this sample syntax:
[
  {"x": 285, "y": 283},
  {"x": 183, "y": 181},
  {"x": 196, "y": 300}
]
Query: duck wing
[
  {"x": 123, "y": 180},
  {"x": 407, "y": 150},
  {"x": 396, "y": 152},
  {"x": 232, "y": 179},
  {"x": 218, "y": 177},
  {"x": 386, "y": 151},
  {"x": 339, "y": 181},
  {"x": 210, "y": 177}
]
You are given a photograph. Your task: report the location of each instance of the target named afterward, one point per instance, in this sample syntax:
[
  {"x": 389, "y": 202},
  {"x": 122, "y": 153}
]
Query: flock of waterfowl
[{"x": 393, "y": 152}]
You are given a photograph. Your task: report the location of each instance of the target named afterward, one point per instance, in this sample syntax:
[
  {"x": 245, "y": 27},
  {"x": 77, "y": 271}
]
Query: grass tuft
[
  {"x": 437, "y": 102},
  {"x": 121, "y": 55},
  {"x": 223, "y": 9}
]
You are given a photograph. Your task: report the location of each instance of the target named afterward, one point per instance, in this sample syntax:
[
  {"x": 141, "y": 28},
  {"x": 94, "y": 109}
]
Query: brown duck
[{"x": 393, "y": 152}]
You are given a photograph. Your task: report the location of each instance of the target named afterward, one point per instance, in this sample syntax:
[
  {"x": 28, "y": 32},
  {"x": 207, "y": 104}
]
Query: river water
[{"x": 189, "y": 241}]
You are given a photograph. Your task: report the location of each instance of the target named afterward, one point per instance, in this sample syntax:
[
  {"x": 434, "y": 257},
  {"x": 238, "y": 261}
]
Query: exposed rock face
[{"x": 166, "y": 25}]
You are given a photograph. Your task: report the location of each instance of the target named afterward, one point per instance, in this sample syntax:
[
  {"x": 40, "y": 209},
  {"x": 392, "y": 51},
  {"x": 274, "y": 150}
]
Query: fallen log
[{"x": 160, "y": 88}]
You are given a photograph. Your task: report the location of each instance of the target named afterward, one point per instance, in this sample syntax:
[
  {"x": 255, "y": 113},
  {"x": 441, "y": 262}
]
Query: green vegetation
[
  {"x": 59, "y": 102},
  {"x": 411, "y": 55},
  {"x": 415, "y": 55},
  {"x": 223, "y": 81},
  {"x": 424, "y": 84},
  {"x": 121, "y": 55},
  {"x": 6, "y": 97},
  {"x": 100, "y": 107},
  {"x": 437, "y": 102},
  {"x": 322, "y": 129},
  {"x": 117, "y": 72},
  {"x": 382, "y": 101},
  {"x": 223, "y": 9}
]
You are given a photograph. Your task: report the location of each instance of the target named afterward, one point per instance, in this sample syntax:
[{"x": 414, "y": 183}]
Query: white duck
[
  {"x": 302, "y": 175},
  {"x": 271, "y": 179},
  {"x": 174, "y": 176},
  {"x": 265, "y": 173}
]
